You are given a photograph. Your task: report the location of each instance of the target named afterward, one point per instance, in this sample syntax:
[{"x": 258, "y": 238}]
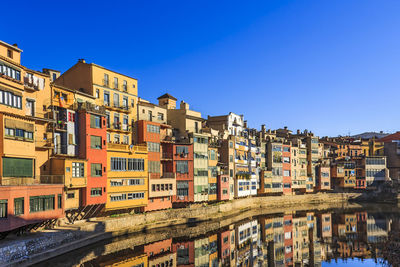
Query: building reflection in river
[{"x": 290, "y": 239}]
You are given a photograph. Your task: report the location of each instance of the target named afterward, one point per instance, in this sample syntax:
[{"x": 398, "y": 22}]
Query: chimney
[
  {"x": 184, "y": 105},
  {"x": 263, "y": 128},
  {"x": 245, "y": 124},
  {"x": 298, "y": 131},
  {"x": 15, "y": 45},
  {"x": 81, "y": 60},
  {"x": 285, "y": 128}
]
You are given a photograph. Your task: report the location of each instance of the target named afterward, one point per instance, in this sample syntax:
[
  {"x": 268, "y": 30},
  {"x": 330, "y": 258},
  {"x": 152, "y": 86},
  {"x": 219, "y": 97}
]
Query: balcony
[
  {"x": 166, "y": 156},
  {"x": 89, "y": 107},
  {"x": 44, "y": 144},
  {"x": 126, "y": 147},
  {"x": 168, "y": 175},
  {"x": 71, "y": 182},
  {"x": 106, "y": 83},
  {"x": 168, "y": 139},
  {"x": 117, "y": 126},
  {"x": 33, "y": 82}
]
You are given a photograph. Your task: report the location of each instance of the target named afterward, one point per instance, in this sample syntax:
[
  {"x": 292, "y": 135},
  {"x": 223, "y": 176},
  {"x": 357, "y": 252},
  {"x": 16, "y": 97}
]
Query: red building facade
[
  {"x": 223, "y": 187},
  {"x": 92, "y": 138},
  {"x": 29, "y": 204},
  {"x": 183, "y": 168}
]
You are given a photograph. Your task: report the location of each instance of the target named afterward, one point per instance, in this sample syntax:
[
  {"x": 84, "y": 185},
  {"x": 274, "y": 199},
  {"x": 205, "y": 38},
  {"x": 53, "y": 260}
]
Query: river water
[{"x": 335, "y": 237}]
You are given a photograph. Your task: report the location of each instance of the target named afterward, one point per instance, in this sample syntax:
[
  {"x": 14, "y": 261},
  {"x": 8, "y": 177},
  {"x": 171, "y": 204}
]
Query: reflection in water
[{"x": 293, "y": 239}]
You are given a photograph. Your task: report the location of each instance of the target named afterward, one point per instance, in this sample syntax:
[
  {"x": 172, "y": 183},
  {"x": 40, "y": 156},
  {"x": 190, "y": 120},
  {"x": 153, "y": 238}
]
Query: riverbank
[{"x": 38, "y": 247}]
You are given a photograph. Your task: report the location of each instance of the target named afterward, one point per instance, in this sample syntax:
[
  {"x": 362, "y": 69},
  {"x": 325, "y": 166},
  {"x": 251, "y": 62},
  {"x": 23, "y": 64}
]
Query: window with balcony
[
  {"x": 116, "y": 100},
  {"x": 116, "y": 121},
  {"x": 106, "y": 80},
  {"x": 117, "y": 138},
  {"x": 18, "y": 206},
  {"x": 108, "y": 119},
  {"x": 182, "y": 188},
  {"x": 125, "y": 121},
  {"x": 95, "y": 142},
  {"x": 95, "y": 169},
  {"x": 182, "y": 150},
  {"x": 3, "y": 208},
  {"x": 125, "y": 102},
  {"x": 126, "y": 139},
  {"x": 78, "y": 169},
  {"x": 125, "y": 85},
  {"x": 106, "y": 98}
]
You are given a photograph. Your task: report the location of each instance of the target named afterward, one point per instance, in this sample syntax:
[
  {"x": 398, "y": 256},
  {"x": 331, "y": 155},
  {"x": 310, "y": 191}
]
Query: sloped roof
[
  {"x": 167, "y": 96},
  {"x": 390, "y": 137}
]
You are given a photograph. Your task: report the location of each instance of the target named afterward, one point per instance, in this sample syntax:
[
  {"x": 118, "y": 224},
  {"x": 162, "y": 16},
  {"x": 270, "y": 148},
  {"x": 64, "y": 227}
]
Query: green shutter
[{"x": 17, "y": 167}]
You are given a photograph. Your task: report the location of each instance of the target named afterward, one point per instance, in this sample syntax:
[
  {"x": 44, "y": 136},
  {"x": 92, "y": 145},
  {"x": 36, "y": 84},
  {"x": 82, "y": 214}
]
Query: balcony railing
[
  {"x": 166, "y": 156},
  {"x": 61, "y": 179},
  {"x": 168, "y": 175},
  {"x": 90, "y": 107}
]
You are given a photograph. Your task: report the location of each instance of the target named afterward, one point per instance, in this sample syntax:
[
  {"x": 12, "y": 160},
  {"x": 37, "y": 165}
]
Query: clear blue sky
[{"x": 329, "y": 66}]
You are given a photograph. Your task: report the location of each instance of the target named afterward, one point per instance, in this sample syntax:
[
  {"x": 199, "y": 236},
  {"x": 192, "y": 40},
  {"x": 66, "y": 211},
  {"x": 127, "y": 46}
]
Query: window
[
  {"x": 196, "y": 127},
  {"x": 108, "y": 119},
  {"x": 18, "y": 206},
  {"x": 95, "y": 192},
  {"x": 286, "y": 149},
  {"x": 3, "y": 208},
  {"x": 160, "y": 116},
  {"x": 286, "y": 173},
  {"x": 106, "y": 98},
  {"x": 9, "y": 53},
  {"x": 126, "y": 139},
  {"x": 230, "y": 158},
  {"x": 116, "y": 100},
  {"x": 10, "y": 132},
  {"x": 116, "y": 138},
  {"x": 154, "y": 166},
  {"x": 125, "y": 102},
  {"x": 153, "y": 147},
  {"x": 95, "y": 142},
  {"x": 17, "y": 167},
  {"x": 116, "y": 121},
  {"x": 41, "y": 203},
  {"x": 150, "y": 115},
  {"x": 116, "y": 83},
  {"x": 182, "y": 188},
  {"x": 135, "y": 164},
  {"x": 108, "y": 137},
  {"x": 95, "y": 121},
  {"x": 97, "y": 93},
  {"x": 10, "y": 71},
  {"x": 213, "y": 155},
  {"x": 182, "y": 150},
  {"x": 70, "y": 195},
  {"x": 182, "y": 166},
  {"x": 95, "y": 170},
  {"x": 125, "y": 85},
  {"x": 230, "y": 144},
  {"x": 118, "y": 164},
  {"x": 105, "y": 81},
  {"x": 286, "y": 160},
  {"x": 125, "y": 120},
  {"x": 59, "y": 201},
  {"x": 78, "y": 169}
]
